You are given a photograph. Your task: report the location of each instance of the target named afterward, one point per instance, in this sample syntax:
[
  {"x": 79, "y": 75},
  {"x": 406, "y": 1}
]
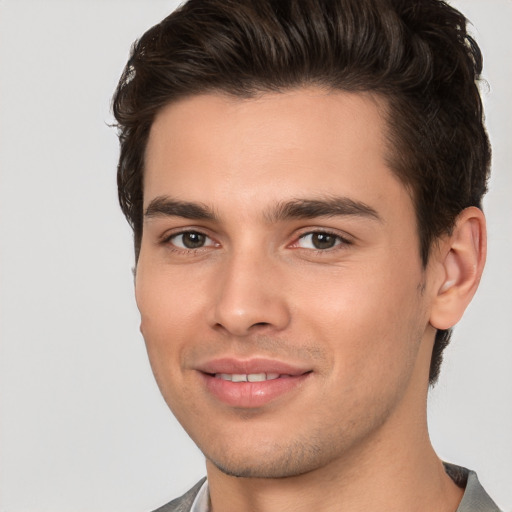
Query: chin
[{"x": 277, "y": 462}]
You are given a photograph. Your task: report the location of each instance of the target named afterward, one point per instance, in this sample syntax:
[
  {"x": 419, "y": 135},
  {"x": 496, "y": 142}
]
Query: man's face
[{"x": 279, "y": 250}]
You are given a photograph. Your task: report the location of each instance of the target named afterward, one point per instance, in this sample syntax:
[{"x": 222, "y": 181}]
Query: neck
[{"x": 399, "y": 480}]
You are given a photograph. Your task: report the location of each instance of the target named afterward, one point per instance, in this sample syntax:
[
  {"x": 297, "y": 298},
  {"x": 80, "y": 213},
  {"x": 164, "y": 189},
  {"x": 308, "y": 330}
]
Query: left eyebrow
[{"x": 329, "y": 207}]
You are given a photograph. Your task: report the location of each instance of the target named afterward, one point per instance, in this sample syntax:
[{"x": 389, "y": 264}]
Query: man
[{"x": 304, "y": 180}]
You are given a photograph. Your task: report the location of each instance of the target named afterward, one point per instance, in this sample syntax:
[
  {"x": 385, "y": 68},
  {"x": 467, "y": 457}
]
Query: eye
[
  {"x": 319, "y": 240},
  {"x": 191, "y": 240}
]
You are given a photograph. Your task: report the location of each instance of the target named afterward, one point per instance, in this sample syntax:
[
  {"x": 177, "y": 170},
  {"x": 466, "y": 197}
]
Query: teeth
[
  {"x": 256, "y": 377},
  {"x": 251, "y": 377}
]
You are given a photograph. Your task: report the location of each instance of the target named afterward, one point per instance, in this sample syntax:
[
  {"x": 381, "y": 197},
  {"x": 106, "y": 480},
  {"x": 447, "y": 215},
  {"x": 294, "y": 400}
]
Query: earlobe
[{"x": 463, "y": 259}]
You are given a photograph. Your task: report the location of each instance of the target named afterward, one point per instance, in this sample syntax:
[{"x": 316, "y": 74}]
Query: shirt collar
[
  {"x": 475, "y": 497},
  {"x": 201, "y": 502}
]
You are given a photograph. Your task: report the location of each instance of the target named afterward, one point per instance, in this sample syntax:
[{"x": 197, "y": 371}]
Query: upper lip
[{"x": 230, "y": 365}]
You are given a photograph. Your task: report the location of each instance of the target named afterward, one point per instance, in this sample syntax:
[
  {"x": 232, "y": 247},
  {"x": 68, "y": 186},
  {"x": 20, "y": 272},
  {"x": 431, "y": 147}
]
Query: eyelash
[
  {"x": 338, "y": 241},
  {"x": 168, "y": 241}
]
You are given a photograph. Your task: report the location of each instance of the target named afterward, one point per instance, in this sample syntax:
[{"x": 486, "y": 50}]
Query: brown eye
[
  {"x": 319, "y": 240},
  {"x": 190, "y": 240},
  {"x": 323, "y": 240}
]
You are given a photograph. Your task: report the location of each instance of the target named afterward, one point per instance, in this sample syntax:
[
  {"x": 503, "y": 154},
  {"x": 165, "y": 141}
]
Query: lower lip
[{"x": 252, "y": 394}]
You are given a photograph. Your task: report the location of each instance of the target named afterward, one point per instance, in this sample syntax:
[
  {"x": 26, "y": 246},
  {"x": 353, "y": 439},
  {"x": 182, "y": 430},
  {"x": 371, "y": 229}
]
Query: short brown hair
[{"x": 417, "y": 55}]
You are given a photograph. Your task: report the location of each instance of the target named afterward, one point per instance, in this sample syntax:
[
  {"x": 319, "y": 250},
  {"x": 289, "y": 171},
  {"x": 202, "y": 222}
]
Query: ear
[{"x": 462, "y": 259}]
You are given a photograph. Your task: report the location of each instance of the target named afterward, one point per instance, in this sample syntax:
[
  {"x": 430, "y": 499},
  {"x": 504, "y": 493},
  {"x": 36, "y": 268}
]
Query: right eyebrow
[{"x": 165, "y": 206}]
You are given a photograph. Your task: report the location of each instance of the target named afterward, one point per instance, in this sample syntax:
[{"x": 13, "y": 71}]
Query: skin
[{"x": 359, "y": 316}]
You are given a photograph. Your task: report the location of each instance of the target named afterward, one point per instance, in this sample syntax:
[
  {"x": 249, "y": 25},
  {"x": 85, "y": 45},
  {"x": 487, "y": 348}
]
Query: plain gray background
[{"x": 83, "y": 427}]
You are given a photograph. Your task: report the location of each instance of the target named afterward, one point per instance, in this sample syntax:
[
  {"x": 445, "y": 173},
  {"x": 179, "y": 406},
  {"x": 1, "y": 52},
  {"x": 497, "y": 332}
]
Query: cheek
[
  {"x": 163, "y": 324},
  {"x": 367, "y": 317},
  {"x": 165, "y": 328},
  {"x": 167, "y": 301}
]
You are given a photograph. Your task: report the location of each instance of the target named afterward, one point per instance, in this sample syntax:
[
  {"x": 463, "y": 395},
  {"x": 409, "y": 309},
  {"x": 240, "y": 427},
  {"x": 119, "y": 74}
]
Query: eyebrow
[
  {"x": 164, "y": 206},
  {"x": 332, "y": 206}
]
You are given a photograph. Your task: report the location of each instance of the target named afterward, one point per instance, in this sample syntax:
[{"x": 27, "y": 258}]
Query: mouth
[
  {"x": 248, "y": 377},
  {"x": 253, "y": 383}
]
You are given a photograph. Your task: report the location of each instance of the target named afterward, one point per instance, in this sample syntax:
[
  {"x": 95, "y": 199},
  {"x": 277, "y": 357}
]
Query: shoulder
[
  {"x": 475, "y": 497},
  {"x": 183, "y": 503}
]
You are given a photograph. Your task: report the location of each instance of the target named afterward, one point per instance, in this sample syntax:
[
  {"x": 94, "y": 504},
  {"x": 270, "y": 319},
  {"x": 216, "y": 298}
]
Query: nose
[{"x": 251, "y": 297}]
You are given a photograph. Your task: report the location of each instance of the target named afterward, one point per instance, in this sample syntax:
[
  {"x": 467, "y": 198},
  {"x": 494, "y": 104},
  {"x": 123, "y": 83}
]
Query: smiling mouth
[
  {"x": 252, "y": 390},
  {"x": 248, "y": 377}
]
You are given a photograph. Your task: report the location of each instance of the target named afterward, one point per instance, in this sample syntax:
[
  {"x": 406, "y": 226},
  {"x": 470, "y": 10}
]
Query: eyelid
[
  {"x": 168, "y": 236},
  {"x": 342, "y": 239}
]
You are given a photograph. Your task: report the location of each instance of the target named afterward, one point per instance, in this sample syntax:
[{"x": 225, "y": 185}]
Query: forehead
[{"x": 307, "y": 142}]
